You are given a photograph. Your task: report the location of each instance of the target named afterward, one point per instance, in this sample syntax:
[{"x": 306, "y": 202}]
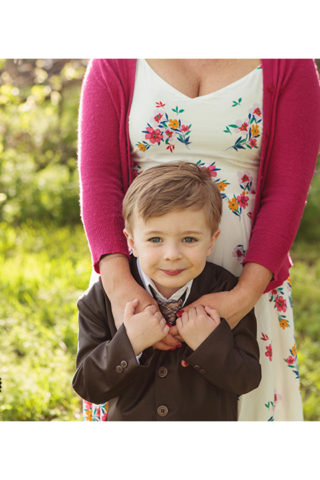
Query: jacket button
[
  {"x": 119, "y": 369},
  {"x": 123, "y": 364},
  {"x": 162, "y": 411},
  {"x": 163, "y": 372},
  {"x": 196, "y": 367},
  {"x": 202, "y": 371}
]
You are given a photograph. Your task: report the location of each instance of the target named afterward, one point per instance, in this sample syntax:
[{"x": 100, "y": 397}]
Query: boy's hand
[
  {"x": 144, "y": 329},
  {"x": 196, "y": 324}
]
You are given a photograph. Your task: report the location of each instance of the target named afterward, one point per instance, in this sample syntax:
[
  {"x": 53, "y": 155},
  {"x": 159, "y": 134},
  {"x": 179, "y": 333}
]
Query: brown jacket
[{"x": 223, "y": 367}]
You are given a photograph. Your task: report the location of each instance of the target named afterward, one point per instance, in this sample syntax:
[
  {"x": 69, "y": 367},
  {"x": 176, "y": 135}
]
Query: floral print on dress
[
  {"x": 278, "y": 298},
  {"x": 164, "y": 128},
  {"x": 95, "y": 413},
  {"x": 238, "y": 203},
  {"x": 268, "y": 349},
  {"x": 213, "y": 169},
  {"x": 249, "y": 128},
  {"x": 292, "y": 360},
  {"x": 239, "y": 252}
]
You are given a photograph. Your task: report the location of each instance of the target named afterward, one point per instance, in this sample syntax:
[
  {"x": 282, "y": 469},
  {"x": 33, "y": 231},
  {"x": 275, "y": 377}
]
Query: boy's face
[{"x": 172, "y": 249}]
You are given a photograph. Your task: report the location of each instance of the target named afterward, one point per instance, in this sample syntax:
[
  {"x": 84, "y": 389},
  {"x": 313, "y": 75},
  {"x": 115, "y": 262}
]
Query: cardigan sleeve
[
  {"x": 101, "y": 176},
  {"x": 293, "y": 148}
]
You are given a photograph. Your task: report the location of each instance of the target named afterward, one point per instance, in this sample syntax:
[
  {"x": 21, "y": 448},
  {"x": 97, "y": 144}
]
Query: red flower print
[
  {"x": 257, "y": 111},
  {"x": 264, "y": 337},
  {"x": 274, "y": 292},
  {"x": 249, "y": 215},
  {"x": 281, "y": 304},
  {"x": 155, "y": 136},
  {"x": 158, "y": 117},
  {"x": 290, "y": 360},
  {"x": 239, "y": 253},
  {"x": 244, "y": 127},
  {"x": 212, "y": 170},
  {"x": 160, "y": 104},
  {"x": 169, "y": 133},
  {"x": 245, "y": 178},
  {"x": 243, "y": 200},
  {"x": 170, "y": 147},
  {"x": 184, "y": 128},
  {"x": 268, "y": 352},
  {"x": 253, "y": 142}
]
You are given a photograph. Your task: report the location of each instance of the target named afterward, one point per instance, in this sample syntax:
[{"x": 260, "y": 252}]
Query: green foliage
[
  {"x": 38, "y": 141},
  {"x": 306, "y": 294},
  {"x": 310, "y": 229},
  {"x": 44, "y": 270}
]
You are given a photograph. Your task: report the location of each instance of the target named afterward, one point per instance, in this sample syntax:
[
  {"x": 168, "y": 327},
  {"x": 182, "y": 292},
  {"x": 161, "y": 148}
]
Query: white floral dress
[{"x": 222, "y": 131}]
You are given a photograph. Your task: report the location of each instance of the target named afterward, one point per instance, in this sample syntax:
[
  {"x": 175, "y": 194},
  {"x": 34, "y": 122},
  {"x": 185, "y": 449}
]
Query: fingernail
[
  {"x": 180, "y": 313},
  {"x": 184, "y": 364},
  {"x": 172, "y": 349},
  {"x": 179, "y": 345}
]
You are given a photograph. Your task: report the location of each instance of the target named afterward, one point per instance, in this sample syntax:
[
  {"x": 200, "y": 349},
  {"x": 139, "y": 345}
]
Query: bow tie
[{"x": 169, "y": 309}]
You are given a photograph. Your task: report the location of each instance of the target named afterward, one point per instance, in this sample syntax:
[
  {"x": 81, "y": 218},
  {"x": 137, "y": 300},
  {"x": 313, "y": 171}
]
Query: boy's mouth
[{"x": 172, "y": 272}]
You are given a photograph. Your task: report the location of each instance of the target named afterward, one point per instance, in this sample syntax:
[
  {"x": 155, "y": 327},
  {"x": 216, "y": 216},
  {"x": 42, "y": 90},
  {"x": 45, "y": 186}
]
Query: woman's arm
[{"x": 234, "y": 304}]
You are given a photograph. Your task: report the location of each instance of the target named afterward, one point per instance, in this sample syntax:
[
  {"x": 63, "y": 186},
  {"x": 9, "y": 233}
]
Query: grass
[{"x": 44, "y": 270}]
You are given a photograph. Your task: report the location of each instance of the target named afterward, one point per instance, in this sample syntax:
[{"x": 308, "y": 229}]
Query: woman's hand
[
  {"x": 233, "y": 305},
  {"x": 121, "y": 288}
]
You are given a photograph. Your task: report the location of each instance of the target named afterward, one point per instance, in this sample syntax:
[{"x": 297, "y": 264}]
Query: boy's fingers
[{"x": 130, "y": 308}]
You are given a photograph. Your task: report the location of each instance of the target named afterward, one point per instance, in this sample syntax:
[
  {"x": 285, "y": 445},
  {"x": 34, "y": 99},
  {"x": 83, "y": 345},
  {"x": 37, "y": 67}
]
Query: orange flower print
[
  {"x": 233, "y": 204},
  {"x": 255, "y": 130},
  {"x": 141, "y": 147},
  {"x": 88, "y": 415},
  {"x": 284, "y": 323},
  {"x": 222, "y": 186},
  {"x": 294, "y": 350},
  {"x": 173, "y": 123}
]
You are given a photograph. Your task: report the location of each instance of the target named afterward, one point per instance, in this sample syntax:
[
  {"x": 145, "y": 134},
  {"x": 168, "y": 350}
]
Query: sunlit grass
[{"x": 44, "y": 269}]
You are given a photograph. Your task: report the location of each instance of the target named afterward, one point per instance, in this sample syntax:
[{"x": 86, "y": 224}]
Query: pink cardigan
[{"x": 290, "y": 144}]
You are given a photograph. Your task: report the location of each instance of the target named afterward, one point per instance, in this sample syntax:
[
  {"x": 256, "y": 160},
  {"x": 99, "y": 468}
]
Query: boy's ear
[
  {"x": 130, "y": 241},
  {"x": 213, "y": 240}
]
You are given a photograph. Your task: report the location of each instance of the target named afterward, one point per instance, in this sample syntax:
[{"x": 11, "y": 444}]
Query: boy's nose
[{"x": 172, "y": 252}]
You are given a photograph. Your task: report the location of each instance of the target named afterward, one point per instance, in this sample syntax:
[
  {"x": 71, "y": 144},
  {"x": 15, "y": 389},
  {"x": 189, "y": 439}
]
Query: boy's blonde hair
[{"x": 174, "y": 186}]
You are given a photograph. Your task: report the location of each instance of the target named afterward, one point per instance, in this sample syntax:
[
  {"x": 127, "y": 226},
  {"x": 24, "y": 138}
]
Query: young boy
[{"x": 172, "y": 214}]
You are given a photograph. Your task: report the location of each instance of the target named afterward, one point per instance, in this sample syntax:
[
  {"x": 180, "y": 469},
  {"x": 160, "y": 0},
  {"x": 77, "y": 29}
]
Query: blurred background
[{"x": 44, "y": 258}]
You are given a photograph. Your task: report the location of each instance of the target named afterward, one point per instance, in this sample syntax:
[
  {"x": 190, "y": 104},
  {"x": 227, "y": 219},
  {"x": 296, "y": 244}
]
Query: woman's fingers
[{"x": 130, "y": 308}]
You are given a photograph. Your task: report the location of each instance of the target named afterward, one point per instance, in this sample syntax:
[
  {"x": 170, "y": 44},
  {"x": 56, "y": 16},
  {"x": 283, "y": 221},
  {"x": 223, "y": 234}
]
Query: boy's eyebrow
[{"x": 187, "y": 232}]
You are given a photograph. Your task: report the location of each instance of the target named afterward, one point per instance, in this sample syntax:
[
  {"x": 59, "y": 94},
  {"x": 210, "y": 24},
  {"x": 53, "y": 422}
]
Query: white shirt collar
[{"x": 176, "y": 296}]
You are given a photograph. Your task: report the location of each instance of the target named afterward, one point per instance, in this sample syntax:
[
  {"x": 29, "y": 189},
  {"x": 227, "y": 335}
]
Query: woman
[{"x": 255, "y": 125}]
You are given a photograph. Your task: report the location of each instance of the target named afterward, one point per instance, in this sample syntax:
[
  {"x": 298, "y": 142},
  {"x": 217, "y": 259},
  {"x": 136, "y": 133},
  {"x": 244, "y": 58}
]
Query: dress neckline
[{"x": 200, "y": 97}]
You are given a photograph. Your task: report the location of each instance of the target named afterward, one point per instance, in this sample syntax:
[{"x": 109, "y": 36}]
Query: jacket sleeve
[
  {"x": 229, "y": 359},
  {"x": 105, "y": 365},
  {"x": 292, "y": 149},
  {"x": 101, "y": 177}
]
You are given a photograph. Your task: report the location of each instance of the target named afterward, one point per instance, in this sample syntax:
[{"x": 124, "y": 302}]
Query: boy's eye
[
  {"x": 189, "y": 239},
  {"x": 154, "y": 240}
]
